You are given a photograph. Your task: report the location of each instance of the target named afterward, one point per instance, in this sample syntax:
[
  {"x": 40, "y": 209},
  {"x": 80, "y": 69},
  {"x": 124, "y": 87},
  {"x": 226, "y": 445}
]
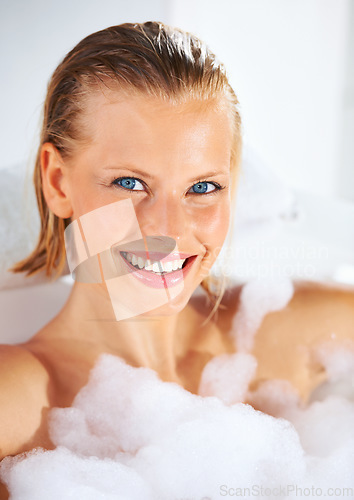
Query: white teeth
[
  {"x": 167, "y": 266},
  {"x": 156, "y": 267},
  {"x": 148, "y": 265},
  {"x": 177, "y": 264}
]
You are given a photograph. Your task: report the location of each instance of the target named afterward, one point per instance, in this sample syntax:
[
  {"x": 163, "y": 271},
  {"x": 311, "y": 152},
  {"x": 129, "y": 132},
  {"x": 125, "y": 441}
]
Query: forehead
[{"x": 136, "y": 127}]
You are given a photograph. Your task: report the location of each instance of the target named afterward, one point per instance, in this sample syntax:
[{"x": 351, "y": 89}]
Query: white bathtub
[{"x": 23, "y": 311}]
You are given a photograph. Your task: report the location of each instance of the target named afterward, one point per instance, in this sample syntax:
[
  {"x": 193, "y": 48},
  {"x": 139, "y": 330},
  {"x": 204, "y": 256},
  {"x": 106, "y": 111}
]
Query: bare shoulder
[
  {"x": 322, "y": 309},
  {"x": 318, "y": 294},
  {"x": 311, "y": 302},
  {"x": 315, "y": 313},
  {"x": 24, "y": 398}
]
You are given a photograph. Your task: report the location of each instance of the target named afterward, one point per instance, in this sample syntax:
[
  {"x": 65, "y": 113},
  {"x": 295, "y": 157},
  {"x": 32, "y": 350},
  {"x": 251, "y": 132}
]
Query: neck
[{"x": 149, "y": 341}]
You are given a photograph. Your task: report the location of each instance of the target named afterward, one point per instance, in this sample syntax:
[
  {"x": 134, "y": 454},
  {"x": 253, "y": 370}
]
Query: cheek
[
  {"x": 85, "y": 198},
  {"x": 213, "y": 224},
  {"x": 82, "y": 199}
]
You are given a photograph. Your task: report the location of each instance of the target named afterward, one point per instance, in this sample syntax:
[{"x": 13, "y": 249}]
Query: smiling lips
[{"x": 160, "y": 270}]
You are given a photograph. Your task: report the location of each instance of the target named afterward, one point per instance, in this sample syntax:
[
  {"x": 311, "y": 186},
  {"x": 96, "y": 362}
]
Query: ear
[{"x": 55, "y": 181}]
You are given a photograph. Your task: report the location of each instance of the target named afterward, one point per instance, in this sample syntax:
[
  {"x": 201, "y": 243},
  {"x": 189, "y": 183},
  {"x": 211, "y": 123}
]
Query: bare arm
[{"x": 24, "y": 401}]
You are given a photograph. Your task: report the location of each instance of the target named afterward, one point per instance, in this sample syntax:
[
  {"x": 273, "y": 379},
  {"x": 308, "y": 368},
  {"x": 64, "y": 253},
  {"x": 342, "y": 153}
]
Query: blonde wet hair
[{"x": 148, "y": 58}]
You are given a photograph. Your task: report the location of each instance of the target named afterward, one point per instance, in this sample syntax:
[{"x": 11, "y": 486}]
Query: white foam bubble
[
  {"x": 228, "y": 376},
  {"x": 61, "y": 474},
  {"x": 337, "y": 357},
  {"x": 129, "y": 435}
]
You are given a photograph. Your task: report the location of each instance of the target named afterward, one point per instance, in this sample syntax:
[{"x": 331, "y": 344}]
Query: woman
[{"x": 141, "y": 130}]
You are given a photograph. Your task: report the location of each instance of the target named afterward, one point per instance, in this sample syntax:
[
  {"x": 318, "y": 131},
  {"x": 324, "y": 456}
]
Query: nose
[{"x": 163, "y": 215}]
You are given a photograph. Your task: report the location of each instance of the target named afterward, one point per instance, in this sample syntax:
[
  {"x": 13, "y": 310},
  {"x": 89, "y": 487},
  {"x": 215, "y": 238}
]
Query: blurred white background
[{"x": 290, "y": 63}]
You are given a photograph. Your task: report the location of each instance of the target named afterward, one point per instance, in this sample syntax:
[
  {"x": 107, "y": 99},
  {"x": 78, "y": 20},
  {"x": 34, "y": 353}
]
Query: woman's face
[{"x": 172, "y": 161}]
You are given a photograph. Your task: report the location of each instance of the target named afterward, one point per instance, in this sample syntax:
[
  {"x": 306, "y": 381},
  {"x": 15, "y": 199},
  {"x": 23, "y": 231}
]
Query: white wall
[
  {"x": 346, "y": 177},
  {"x": 34, "y": 36},
  {"x": 286, "y": 59}
]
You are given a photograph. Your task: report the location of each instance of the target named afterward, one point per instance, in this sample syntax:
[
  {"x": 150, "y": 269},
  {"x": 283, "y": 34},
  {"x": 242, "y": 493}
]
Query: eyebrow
[{"x": 134, "y": 170}]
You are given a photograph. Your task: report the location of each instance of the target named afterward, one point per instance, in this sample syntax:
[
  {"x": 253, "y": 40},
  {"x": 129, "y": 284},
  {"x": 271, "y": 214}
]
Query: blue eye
[
  {"x": 202, "y": 187},
  {"x": 129, "y": 183}
]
